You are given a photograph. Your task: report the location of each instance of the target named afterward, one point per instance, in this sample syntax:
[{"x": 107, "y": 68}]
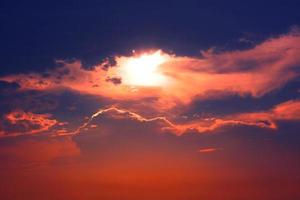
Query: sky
[{"x": 180, "y": 100}]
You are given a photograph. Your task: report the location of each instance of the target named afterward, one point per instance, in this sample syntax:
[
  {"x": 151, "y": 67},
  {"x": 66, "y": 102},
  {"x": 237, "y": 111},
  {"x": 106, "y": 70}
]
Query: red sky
[{"x": 156, "y": 125}]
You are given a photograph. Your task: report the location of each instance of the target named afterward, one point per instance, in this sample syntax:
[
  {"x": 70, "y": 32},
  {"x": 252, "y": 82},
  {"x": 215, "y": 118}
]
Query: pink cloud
[
  {"x": 208, "y": 150},
  {"x": 257, "y": 71},
  {"x": 265, "y": 67},
  {"x": 289, "y": 110},
  {"x": 22, "y": 123},
  {"x": 121, "y": 114}
]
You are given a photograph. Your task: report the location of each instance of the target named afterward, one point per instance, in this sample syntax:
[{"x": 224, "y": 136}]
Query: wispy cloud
[
  {"x": 209, "y": 150},
  {"x": 25, "y": 123},
  {"x": 257, "y": 71},
  {"x": 289, "y": 110}
]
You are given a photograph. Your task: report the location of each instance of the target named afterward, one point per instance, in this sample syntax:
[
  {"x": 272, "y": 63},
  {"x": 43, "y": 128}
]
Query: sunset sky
[{"x": 150, "y": 100}]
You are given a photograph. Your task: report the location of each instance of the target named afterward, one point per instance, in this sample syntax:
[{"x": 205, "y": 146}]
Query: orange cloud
[
  {"x": 208, "y": 150},
  {"x": 257, "y": 71},
  {"x": 22, "y": 123},
  {"x": 28, "y": 123},
  {"x": 116, "y": 113},
  {"x": 289, "y": 110}
]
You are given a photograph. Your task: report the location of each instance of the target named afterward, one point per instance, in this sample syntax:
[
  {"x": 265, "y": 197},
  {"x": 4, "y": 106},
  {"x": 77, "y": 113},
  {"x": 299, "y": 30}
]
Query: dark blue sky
[{"x": 34, "y": 33}]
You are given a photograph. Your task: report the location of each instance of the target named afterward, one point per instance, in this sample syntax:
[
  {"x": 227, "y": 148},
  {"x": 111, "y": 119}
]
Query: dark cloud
[
  {"x": 108, "y": 62},
  {"x": 114, "y": 80}
]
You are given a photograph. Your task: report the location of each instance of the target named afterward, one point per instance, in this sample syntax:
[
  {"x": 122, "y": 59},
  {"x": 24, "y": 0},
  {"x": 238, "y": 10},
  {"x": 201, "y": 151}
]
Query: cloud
[
  {"x": 25, "y": 123},
  {"x": 257, "y": 71},
  {"x": 209, "y": 150},
  {"x": 116, "y": 114},
  {"x": 114, "y": 80},
  {"x": 252, "y": 72},
  {"x": 289, "y": 110}
]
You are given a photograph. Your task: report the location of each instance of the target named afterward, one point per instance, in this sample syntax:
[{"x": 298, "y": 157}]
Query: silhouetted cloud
[{"x": 114, "y": 80}]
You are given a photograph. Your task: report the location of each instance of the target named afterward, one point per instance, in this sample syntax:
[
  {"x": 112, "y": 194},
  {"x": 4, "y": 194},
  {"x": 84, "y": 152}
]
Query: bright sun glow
[{"x": 144, "y": 70}]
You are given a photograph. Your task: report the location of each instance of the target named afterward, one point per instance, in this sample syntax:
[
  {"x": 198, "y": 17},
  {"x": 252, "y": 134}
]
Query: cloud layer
[
  {"x": 267, "y": 66},
  {"x": 253, "y": 72}
]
